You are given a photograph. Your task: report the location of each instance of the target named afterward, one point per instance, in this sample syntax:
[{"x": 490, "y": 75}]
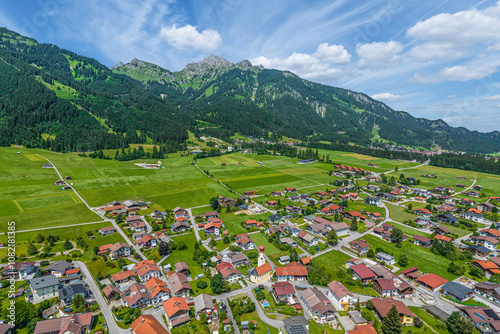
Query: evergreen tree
[{"x": 392, "y": 324}]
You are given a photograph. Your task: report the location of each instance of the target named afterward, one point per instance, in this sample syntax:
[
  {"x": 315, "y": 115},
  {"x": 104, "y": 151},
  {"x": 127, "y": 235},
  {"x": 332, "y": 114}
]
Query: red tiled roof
[
  {"x": 363, "y": 272},
  {"x": 174, "y": 305},
  {"x": 147, "y": 324},
  {"x": 432, "y": 280},
  {"x": 266, "y": 267},
  {"x": 283, "y": 288}
]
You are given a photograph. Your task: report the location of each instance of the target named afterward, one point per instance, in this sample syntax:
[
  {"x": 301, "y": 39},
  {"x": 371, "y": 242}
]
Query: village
[{"x": 287, "y": 261}]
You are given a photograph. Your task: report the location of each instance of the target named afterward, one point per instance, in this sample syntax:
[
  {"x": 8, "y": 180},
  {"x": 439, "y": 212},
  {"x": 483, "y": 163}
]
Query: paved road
[
  {"x": 230, "y": 315},
  {"x": 105, "y": 309}
]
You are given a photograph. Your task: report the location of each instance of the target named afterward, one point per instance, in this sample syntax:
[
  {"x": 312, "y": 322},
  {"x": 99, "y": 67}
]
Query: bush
[{"x": 201, "y": 284}]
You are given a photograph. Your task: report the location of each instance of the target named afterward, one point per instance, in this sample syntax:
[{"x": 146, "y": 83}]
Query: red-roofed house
[
  {"x": 283, "y": 291},
  {"x": 432, "y": 281},
  {"x": 292, "y": 272},
  {"x": 422, "y": 212},
  {"x": 363, "y": 273},
  {"x": 341, "y": 298},
  {"x": 177, "y": 312}
]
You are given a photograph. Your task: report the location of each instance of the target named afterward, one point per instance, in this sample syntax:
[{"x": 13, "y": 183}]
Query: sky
[{"x": 437, "y": 59}]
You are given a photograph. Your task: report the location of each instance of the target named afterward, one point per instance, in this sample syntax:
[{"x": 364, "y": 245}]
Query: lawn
[
  {"x": 185, "y": 255},
  {"x": 410, "y": 231},
  {"x": 399, "y": 214},
  {"x": 261, "y": 239},
  {"x": 262, "y": 328},
  {"x": 315, "y": 328},
  {"x": 418, "y": 256},
  {"x": 436, "y": 324},
  {"x": 233, "y": 222}
]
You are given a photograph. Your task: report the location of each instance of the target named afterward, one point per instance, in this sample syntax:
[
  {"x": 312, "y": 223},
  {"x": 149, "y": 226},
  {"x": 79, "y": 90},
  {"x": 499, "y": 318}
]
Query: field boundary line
[{"x": 62, "y": 226}]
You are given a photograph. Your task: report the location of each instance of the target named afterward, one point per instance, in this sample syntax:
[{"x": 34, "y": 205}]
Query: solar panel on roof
[
  {"x": 297, "y": 329},
  {"x": 491, "y": 314},
  {"x": 480, "y": 316}
]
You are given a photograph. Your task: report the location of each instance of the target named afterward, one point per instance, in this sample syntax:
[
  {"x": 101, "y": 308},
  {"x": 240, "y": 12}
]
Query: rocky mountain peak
[{"x": 120, "y": 64}]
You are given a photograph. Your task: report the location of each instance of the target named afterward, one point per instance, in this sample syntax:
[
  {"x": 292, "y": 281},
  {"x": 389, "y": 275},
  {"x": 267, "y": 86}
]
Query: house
[
  {"x": 442, "y": 238},
  {"x": 123, "y": 276},
  {"x": 120, "y": 249},
  {"x": 325, "y": 202},
  {"x": 136, "y": 296},
  {"x": 296, "y": 325},
  {"x": 19, "y": 270},
  {"x": 294, "y": 230},
  {"x": 363, "y": 273},
  {"x": 354, "y": 197},
  {"x": 447, "y": 218},
  {"x": 289, "y": 241},
  {"x": 146, "y": 241},
  {"x": 478, "y": 250},
  {"x": 457, "y": 291},
  {"x": 58, "y": 268},
  {"x": 182, "y": 267},
  {"x": 290, "y": 190},
  {"x": 293, "y": 209},
  {"x": 246, "y": 243},
  {"x": 237, "y": 259},
  {"x": 374, "y": 216},
  {"x": 317, "y": 229},
  {"x": 383, "y": 257},
  {"x": 43, "y": 288},
  {"x": 382, "y": 307},
  {"x": 147, "y": 269},
  {"x": 488, "y": 232},
  {"x": 373, "y": 187},
  {"x": 253, "y": 223},
  {"x": 115, "y": 209},
  {"x": 440, "y": 230},
  {"x": 275, "y": 218},
  {"x": 276, "y": 193},
  {"x": 74, "y": 324},
  {"x": 179, "y": 227},
  {"x": 272, "y": 204},
  {"x": 387, "y": 197},
  {"x": 485, "y": 319},
  {"x": 363, "y": 329},
  {"x": 274, "y": 230},
  {"x": 422, "y": 212},
  {"x": 489, "y": 288},
  {"x": 422, "y": 241},
  {"x": 67, "y": 293},
  {"x": 372, "y": 200},
  {"x": 477, "y": 217},
  {"x": 489, "y": 267},
  {"x": 203, "y": 304},
  {"x": 387, "y": 227},
  {"x": 422, "y": 222},
  {"x": 157, "y": 214},
  {"x": 291, "y": 272},
  {"x": 321, "y": 194},
  {"x": 340, "y": 228},
  {"x": 147, "y": 324},
  {"x": 360, "y": 246},
  {"x": 228, "y": 272},
  {"x": 241, "y": 236},
  {"x": 138, "y": 226},
  {"x": 107, "y": 230},
  {"x": 180, "y": 212},
  {"x": 318, "y": 305},
  {"x": 133, "y": 219},
  {"x": 177, "y": 312},
  {"x": 308, "y": 239},
  {"x": 385, "y": 287},
  {"x": 432, "y": 281},
  {"x": 283, "y": 291},
  {"x": 158, "y": 290},
  {"x": 350, "y": 215},
  {"x": 179, "y": 285},
  {"x": 330, "y": 210},
  {"x": 340, "y": 296},
  {"x": 488, "y": 242},
  {"x": 59, "y": 182},
  {"x": 212, "y": 228},
  {"x": 211, "y": 214}
]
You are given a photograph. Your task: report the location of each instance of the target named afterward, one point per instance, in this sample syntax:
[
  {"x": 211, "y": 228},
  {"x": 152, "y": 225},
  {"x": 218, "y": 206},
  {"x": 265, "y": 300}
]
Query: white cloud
[
  {"x": 379, "y": 54},
  {"x": 387, "y": 97},
  {"x": 492, "y": 98},
  {"x": 436, "y": 51},
  {"x": 457, "y": 73},
  {"x": 188, "y": 37},
  {"x": 315, "y": 66},
  {"x": 463, "y": 28}
]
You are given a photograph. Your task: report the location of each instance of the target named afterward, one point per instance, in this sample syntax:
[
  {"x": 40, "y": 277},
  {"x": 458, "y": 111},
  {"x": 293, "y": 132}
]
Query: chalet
[
  {"x": 290, "y": 190},
  {"x": 227, "y": 202},
  {"x": 120, "y": 249},
  {"x": 340, "y": 228},
  {"x": 385, "y": 287},
  {"x": 318, "y": 305},
  {"x": 478, "y": 250},
  {"x": 382, "y": 307},
  {"x": 330, "y": 210},
  {"x": 422, "y": 192},
  {"x": 180, "y": 227},
  {"x": 124, "y": 276},
  {"x": 325, "y": 202},
  {"x": 375, "y": 216},
  {"x": 378, "y": 230},
  {"x": 74, "y": 323},
  {"x": 363, "y": 273},
  {"x": 411, "y": 180},
  {"x": 422, "y": 241},
  {"x": 372, "y": 200},
  {"x": 293, "y": 230},
  {"x": 291, "y": 272},
  {"x": 447, "y": 218},
  {"x": 115, "y": 209},
  {"x": 246, "y": 243},
  {"x": 240, "y": 236},
  {"x": 488, "y": 242},
  {"x": 276, "y": 193},
  {"x": 305, "y": 197},
  {"x": 321, "y": 194},
  {"x": 146, "y": 241},
  {"x": 180, "y": 212},
  {"x": 158, "y": 290},
  {"x": 275, "y": 218},
  {"x": 432, "y": 281},
  {"x": 422, "y": 212},
  {"x": 203, "y": 304},
  {"x": 228, "y": 272},
  {"x": 489, "y": 267},
  {"x": 157, "y": 214},
  {"x": 138, "y": 226},
  {"x": 360, "y": 246},
  {"x": 283, "y": 291},
  {"x": 253, "y": 223},
  {"x": 288, "y": 241},
  {"x": 485, "y": 319},
  {"x": 354, "y": 197},
  {"x": 136, "y": 296},
  {"x": 111, "y": 291},
  {"x": 420, "y": 199},
  {"x": 293, "y": 209},
  {"x": 59, "y": 182},
  {"x": 133, "y": 219},
  {"x": 486, "y": 207},
  {"x": 272, "y": 204},
  {"x": 176, "y": 312},
  {"x": 422, "y": 222},
  {"x": 317, "y": 229},
  {"x": 308, "y": 239},
  {"x": 442, "y": 238},
  {"x": 387, "y": 227},
  {"x": 471, "y": 193},
  {"x": 373, "y": 187},
  {"x": 466, "y": 201},
  {"x": 340, "y": 296},
  {"x": 489, "y": 288},
  {"x": 488, "y": 232},
  {"x": 477, "y": 217},
  {"x": 237, "y": 259},
  {"x": 147, "y": 324},
  {"x": 147, "y": 269},
  {"x": 383, "y": 257},
  {"x": 211, "y": 214},
  {"x": 179, "y": 285},
  {"x": 294, "y": 198},
  {"x": 350, "y": 215},
  {"x": 21, "y": 270}
]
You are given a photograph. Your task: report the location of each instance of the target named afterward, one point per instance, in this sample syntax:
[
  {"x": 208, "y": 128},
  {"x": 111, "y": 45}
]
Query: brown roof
[
  {"x": 338, "y": 289},
  {"x": 385, "y": 284},
  {"x": 138, "y": 291},
  {"x": 108, "y": 289},
  {"x": 481, "y": 238},
  {"x": 73, "y": 323},
  {"x": 363, "y": 272},
  {"x": 178, "y": 282},
  {"x": 147, "y": 324},
  {"x": 317, "y": 301},
  {"x": 283, "y": 288},
  {"x": 384, "y": 305},
  {"x": 117, "y": 246},
  {"x": 432, "y": 280},
  {"x": 228, "y": 271},
  {"x": 493, "y": 232},
  {"x": 421, "y": 238},
  {"x": 123, "y": 275},
  {"x": 363, "y": 329}
]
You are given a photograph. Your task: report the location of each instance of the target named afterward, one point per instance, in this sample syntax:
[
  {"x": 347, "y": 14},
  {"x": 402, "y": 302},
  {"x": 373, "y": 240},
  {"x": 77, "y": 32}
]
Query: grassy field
[
  {"x": 436, "y": 324},
  {"x": 418, "y": 256},
  {"x": 261, "y": 239},
  {"x": 410, "y": 231},
  {"x": 185, "y": 255},
  {"x": 399, "y": 214}
]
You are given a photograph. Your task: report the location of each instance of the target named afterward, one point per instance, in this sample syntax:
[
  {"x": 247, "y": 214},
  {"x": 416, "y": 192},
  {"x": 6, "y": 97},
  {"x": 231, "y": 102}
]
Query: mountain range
[{"x": 54, "y": 98}]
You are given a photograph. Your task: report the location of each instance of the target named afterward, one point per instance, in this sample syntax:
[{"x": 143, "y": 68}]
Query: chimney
[{"x": 143, "y": 319}]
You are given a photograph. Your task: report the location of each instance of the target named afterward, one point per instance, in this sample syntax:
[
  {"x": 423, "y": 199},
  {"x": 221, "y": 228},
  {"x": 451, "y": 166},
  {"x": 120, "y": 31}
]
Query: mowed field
[
  {"x": 277, "y": 172},
  {"x": 29, "y": 197}
]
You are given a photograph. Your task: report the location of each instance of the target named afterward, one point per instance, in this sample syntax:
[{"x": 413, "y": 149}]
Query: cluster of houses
[{"x": 115, "y": 208}]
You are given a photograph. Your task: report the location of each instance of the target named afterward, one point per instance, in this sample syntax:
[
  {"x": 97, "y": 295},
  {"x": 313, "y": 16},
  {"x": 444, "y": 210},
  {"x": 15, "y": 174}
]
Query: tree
[
  {"x": 332, "y": 237},
  {"x": 369, "y": 305},
  {"x": 403, "y": 260},
  {"x": 39, "y": 239},
  {"x": 456, "y": 324},
  {"x": 203, "y": 318},
  {"x": 293, "y": 255},
  {"x": 391, "y": 324},
  {"x": 354, "y": 224},
  {"x": 218, "y": 284},
  {"x": 226, "y": 240},
  {"x": 201, "y": 284},
  {"x": 67, "y": 244},
  {"x": 410, "y": 207},
  {"x": 402, "y": 176},
  {"x": 32, "y": 249},
  {"x": 370, "y": 254},
  {"x": 163, "y": 248},
  {"x": 418, "y": 323},
  {"x": 397, "y": 235},
  {"x": 96, "y": 250},
  {"x": 78, "y": 304},
  {"x": 181, "y": 245}
]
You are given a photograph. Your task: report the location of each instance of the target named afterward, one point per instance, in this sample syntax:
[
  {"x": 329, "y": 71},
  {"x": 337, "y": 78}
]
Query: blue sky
[{"x": 434, "y": 59}]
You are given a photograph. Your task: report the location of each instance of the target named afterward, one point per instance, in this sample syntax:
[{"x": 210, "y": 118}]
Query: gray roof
[
  {"x": 202, "y": 302},
  {"x": 296, "y": 325},
  {"x": 72, "y": 289},
  {"x": 310, "y": 217},
  {"x": 385, "y": 256},
  {"x": 43, "y": 282},
  {"x": 456, "y": 289},
  {"x": 59, "y": 266},
  {"x": 436, "y": 311}
]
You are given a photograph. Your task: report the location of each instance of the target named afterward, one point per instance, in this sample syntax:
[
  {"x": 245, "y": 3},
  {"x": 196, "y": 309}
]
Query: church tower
[{"x": 262, "y": 259}]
